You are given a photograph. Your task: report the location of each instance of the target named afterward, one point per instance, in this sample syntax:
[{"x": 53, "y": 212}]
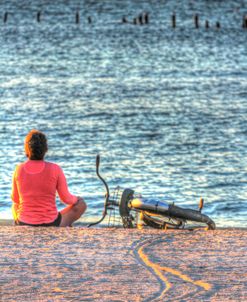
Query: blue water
[{"x": 166, "y": 108}]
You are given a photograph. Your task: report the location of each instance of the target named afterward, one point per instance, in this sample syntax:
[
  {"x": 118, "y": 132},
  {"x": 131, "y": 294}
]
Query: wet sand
[{"x": 80, "y": 264}]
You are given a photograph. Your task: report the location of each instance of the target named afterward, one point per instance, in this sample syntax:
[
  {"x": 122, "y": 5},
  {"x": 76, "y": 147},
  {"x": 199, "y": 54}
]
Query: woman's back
[{"x": 36, "y": 183}]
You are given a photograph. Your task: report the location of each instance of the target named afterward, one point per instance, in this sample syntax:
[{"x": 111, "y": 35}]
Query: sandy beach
[{"x": 80, "y": 264}]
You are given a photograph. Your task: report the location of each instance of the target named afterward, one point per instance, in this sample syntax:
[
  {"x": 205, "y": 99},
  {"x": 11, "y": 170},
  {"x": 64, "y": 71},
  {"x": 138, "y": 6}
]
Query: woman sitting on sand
[{"x": 35, "y": 183}]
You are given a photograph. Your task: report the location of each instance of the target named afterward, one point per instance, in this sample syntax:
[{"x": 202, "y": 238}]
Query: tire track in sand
[{"x": 158, "y": 270}]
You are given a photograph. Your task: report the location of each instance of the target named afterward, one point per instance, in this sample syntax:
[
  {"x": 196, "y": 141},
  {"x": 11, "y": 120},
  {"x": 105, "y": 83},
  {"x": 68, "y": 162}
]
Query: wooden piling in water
[
  {"x": 206, "y": 24},
  {"x": 89, "y": 20},
  {"x": 77, "y": 18},
  {"x": 124, "y": 20},
  {"x": 146, "y": 18},
  {"x": 140, "y": 20},
  {"x": 196, "y": 20},
  {"x": 38, "y": 16},
  {"x": 5, "y": 18},
  {"x": 244, "y": 25},
  {"x": 218, "y": 25},
  {"x": 174, "y": 21}
]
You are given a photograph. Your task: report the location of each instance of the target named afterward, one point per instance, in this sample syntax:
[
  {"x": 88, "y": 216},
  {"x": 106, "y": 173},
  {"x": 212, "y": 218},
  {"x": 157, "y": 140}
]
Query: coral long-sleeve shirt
[{"x": 34, "y": 188}]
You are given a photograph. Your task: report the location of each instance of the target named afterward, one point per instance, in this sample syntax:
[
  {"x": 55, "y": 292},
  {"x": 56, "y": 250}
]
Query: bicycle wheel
[
  {"x": 191, "y": 215},
  {"x": 161, "y": 222},
  {"x": 124, "y": 210}
]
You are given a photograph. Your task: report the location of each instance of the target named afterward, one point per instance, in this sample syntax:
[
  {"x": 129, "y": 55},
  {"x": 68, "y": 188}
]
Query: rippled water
[{"x": 166, "y": 108}]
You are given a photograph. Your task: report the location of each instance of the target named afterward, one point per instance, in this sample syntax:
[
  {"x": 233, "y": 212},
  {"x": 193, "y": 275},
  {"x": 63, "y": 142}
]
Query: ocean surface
[{"x": 165, "y": 108}]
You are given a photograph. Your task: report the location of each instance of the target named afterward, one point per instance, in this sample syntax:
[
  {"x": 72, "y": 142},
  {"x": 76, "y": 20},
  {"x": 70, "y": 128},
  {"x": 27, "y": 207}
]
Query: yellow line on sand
[
  {"x": 157, "y": 269},
  {"x": 184, "y": 277}
]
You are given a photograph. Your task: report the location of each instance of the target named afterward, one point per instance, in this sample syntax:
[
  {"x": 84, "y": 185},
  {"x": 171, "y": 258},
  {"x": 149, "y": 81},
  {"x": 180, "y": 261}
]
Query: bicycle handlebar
[
  {"x": 97, "y": 162},
  {"x": 107, "y": 192},
  {"x": 101, "y": 178}
]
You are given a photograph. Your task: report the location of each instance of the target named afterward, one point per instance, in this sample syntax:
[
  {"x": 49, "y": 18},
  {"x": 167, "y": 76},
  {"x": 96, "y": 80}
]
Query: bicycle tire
[
  {"x": 173, "y": 223},
  {"x": 124, "y": 210},
  {"x": 191, "y": 215}
]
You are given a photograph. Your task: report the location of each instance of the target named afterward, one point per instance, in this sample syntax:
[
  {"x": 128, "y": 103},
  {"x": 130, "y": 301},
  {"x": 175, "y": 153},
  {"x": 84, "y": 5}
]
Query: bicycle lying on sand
[{"x": 152, "y": 212}]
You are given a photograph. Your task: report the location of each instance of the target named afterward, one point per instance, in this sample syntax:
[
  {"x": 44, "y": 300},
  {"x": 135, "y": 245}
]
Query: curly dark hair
[{"x": 35, "y": 145}]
